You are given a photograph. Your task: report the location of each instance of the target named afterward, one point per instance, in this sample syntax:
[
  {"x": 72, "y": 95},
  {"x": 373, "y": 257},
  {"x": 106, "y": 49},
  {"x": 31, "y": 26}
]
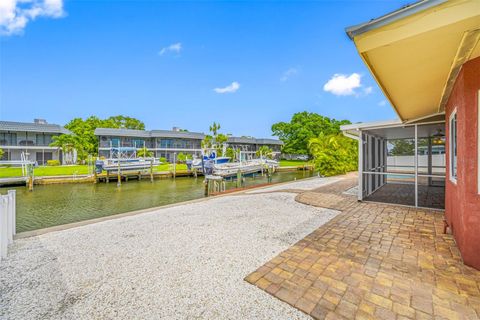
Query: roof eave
[{"x": 391, "y": 17}]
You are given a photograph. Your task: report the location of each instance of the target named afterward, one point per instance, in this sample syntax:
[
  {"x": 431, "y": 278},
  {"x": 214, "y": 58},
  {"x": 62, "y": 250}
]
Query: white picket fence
[{"x": 7, "y": 221}]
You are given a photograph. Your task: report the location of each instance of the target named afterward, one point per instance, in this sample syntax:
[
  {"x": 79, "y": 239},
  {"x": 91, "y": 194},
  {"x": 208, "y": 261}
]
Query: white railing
[{"x": 7, "y": 221}]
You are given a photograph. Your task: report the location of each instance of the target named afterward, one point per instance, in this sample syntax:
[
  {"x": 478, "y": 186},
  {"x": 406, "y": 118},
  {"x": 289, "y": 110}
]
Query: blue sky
[{"x": 243, "y": 64}]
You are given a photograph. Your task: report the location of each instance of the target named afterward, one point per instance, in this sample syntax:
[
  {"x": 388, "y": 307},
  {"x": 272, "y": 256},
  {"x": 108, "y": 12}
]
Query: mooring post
[
  {"x": 239, "y": 178},
  {"x": 30, "y": 183},
  {"x": 206, "y": 187},
  {"x": 174, "y": 164},
  {"x": 119, "y": 176},
  {"x": 151, "y": 170},
  {"x": 107, "y": 179},
  {"x": 30, "y": 174},
  {"x": 269, "y": 174}
]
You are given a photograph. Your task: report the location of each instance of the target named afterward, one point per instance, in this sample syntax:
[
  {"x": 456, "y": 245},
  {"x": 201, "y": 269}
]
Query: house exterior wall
[
  {"x": 35, "y": 155},
  {"x": 167, "y": 146},
  {"x": 35, "y": 144},
  {"x": 162, "y": 147},
  {"x": 462, "y": 207}
]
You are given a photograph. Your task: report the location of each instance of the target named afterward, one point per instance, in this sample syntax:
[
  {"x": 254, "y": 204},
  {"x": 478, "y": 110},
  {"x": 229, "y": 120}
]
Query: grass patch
[
  {"x": 293, "y": 163},
  {"x": 71, "y": 170},
  {"x": 45, "y": 171},
  {"x": 169, "y": 167}
]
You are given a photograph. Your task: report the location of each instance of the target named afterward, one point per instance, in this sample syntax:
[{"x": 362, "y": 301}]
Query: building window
[
  {"x": 115, "y": 142},
  {"x": 453, "y": 146},
  {"x": 139, "y": 143}
]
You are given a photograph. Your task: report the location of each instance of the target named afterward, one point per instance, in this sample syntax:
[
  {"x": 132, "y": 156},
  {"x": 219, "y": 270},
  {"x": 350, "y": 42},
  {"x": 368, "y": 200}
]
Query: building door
[
  {"x": 47, "y": 156},
  {"x": 39, "y": 157}
]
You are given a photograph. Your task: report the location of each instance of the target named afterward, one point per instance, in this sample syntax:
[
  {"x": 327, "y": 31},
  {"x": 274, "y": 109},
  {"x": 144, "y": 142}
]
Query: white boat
[
  {"x": 244, "y": 167},
  {"x": 126, "y": 164},
  {"x": 197, "y": 163}
]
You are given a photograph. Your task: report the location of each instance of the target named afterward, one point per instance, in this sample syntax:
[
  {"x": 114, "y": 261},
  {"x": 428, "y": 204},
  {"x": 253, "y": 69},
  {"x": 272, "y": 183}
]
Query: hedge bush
[
  {"x": 334, "y": 154},
  {"x": 53, "y": 163}
]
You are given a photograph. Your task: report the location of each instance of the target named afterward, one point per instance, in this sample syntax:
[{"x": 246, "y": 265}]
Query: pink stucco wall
[{"x": 462, "y": 207}]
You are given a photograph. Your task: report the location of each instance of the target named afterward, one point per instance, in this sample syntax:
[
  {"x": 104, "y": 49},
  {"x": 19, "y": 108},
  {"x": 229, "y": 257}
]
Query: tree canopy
[
  {"x": 83, "y": 138},
  {"x": 216, "y": 139},
  {"x": 302, "y": 127},
  {"x": 402, "y": 147}
]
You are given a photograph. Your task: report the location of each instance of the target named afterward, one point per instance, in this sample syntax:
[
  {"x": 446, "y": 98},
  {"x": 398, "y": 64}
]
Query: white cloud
[
  {"x": 287, "y": 74},
  {"x": 175, "y": 47},
  {"x": 368, "y": 90},
  {"x": 382, "y": 103},
  {"x": 228, "y": 89},
  {"x": 343, "y": 85},
  {"x": 15, "y": 14}
]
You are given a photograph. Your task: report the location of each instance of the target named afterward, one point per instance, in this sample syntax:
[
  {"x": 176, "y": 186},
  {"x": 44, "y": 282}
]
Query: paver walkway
[{"x": 373, "y": 261}]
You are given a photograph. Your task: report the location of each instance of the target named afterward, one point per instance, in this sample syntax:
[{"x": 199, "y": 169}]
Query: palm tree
[
  {"x": 144, "y": 153},
  {"x": 65, "y": 142},
  {"x": 207, "y": 142},
  {"x": 265, "y": 151},
  {"x": 214, "y": 128}
]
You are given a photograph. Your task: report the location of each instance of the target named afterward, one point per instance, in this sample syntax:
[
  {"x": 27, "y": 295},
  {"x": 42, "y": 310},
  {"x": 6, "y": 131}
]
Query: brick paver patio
[{"x": 373, "y": 261}]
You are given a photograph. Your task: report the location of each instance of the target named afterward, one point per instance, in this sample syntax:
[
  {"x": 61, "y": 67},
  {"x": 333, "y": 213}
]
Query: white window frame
[{"x": 451, "y": 147}]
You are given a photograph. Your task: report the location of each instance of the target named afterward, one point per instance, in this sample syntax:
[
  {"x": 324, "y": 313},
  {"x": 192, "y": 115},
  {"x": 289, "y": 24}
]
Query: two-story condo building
[
  {"x": 165, "y": 143},
  {"x": 31, "y": 139}
]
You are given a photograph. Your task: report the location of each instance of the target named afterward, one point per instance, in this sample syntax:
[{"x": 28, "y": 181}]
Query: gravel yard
[
  {"x": 301, "y": 185},
  {"x": 187, "y": 261}
]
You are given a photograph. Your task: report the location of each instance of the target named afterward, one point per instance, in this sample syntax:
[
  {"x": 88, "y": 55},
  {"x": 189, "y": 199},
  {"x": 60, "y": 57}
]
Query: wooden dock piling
[{"x": 151, "y": 170}]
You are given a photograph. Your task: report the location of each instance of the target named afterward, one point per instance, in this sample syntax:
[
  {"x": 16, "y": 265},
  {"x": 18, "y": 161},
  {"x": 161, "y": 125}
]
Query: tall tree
[
  {"x": 214, "y": 128},
  {"x": 124, "y": 122},
  {"x": 302, "y": 127},
  {"x": 83, "y": 137},
  {"x": 216, "y": 140},
  {"x": 265, "y": 151}
]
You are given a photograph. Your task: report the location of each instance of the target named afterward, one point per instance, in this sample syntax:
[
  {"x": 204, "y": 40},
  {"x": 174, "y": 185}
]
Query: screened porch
[{"x": 402, "y": 163}]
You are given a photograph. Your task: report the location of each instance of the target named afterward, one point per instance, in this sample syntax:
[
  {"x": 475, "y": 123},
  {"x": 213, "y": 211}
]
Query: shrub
[
  {"x": 163, "y": 160},
  {"x": 334, "y": 154},
  {"x": 144, "y": 153},
  {"x": 181, "y": 157},
  {"x": 53, "y": 163}
]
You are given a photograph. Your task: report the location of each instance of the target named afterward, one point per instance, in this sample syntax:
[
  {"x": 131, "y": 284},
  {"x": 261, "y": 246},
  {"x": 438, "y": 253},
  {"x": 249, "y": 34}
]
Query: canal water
[{"x": 52, "y": 205}]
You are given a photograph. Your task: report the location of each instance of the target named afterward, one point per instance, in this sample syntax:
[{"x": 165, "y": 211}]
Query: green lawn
[
  {"x": 70, "y": 170},
  {"x": 45, "y": 171},
  {"x": 169, "y": 167},
  {"x": 293, "y": 163}
]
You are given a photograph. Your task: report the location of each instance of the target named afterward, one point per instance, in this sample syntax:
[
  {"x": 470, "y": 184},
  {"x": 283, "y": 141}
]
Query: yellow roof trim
[
  {"x": 416, "y": 58},
  {"x": 442, "y": 15}
]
